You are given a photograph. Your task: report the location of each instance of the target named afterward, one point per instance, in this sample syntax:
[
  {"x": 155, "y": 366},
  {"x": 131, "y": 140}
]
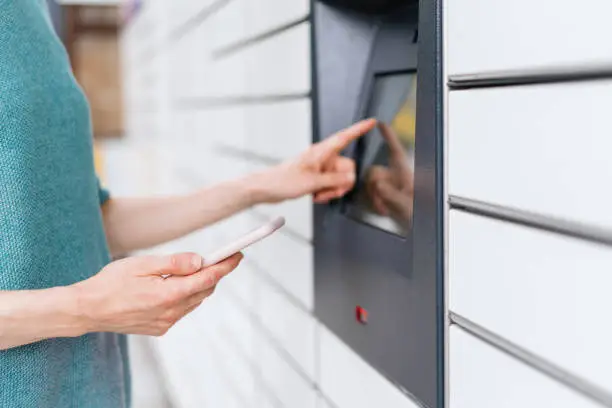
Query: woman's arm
[
  {"x": 128, "y": 296},
  {"x": 137, "y": 223},
  {"x": 133, "y": 224},
  {"x": 32, "y": 315}
]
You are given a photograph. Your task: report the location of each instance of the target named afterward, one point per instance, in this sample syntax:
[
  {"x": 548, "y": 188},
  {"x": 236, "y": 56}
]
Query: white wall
[{"x": 196, "y": 116}]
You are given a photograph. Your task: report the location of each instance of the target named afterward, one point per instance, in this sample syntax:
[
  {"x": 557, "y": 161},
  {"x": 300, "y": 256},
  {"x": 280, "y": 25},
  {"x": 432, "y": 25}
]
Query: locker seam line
[
  {"x": 246, "y": 154},
  {"x": 187, "y": 26},
  {"x": 538, "y": 76},
  {"x": 252, "y": 367},
  {"x": 244, "y": 43},
  {"x": 194, "y": 103},
  {"x": 275, "y": 343},
  {"x": 538, "y": 221},
  {"x": 540, "y": 364}
]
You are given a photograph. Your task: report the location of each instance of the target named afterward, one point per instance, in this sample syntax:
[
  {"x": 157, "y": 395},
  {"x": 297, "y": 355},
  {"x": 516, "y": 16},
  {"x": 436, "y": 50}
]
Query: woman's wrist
[
  {"x": 70, "y": 318},
  {"x": 257, "y": 188},
  {"x": 28, "y": 316}
]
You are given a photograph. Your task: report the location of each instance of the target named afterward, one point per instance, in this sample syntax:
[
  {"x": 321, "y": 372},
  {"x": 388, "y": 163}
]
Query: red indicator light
[{"x": 361, "y": 315}]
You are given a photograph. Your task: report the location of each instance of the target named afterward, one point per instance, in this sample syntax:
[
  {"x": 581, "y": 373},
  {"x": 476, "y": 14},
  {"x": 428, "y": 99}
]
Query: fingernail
[
  {"x": 196, "y": 262},
  {"x": 350, "y": 176}
]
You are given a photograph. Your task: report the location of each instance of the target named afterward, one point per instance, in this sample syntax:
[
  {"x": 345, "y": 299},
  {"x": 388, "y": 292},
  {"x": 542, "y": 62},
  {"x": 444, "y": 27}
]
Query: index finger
[{"x": 339, "y": 141}]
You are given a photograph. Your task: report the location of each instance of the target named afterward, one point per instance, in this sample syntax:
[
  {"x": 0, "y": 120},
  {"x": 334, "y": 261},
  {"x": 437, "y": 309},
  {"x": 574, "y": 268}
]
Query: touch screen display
[{"x": 384, "y": 195}]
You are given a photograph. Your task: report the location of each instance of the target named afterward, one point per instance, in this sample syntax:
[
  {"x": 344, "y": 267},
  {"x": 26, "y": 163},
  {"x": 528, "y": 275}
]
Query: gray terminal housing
[{"x": 397, "y": 279}]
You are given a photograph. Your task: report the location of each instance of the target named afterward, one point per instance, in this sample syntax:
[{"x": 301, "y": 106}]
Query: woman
[{"x": 64, "y": 309}]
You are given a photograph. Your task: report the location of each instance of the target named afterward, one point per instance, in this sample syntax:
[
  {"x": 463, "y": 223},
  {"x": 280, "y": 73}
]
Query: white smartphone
[{"x": 243, "y": 242}]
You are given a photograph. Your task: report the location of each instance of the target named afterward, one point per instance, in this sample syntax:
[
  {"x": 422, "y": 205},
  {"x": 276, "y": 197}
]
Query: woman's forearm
[
  {"x": 30, "y": 316},
  {"x": 127, "y": 296},
  {"x": 320, "y": 171},
  {"x": 138, "y": 223}
]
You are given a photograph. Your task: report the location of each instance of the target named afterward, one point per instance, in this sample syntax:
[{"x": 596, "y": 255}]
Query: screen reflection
[{"x": 384, "y": 196}]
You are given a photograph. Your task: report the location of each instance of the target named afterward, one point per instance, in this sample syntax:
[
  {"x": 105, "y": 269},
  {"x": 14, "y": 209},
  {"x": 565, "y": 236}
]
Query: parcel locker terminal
[{"x": 378, "y": 251}]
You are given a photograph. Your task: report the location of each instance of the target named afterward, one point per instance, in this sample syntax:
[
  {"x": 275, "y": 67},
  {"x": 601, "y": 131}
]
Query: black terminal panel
[{"x": 379, "y": 250}]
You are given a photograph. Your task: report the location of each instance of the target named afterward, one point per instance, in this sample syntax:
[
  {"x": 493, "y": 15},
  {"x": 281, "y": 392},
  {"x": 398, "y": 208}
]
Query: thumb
[
  {"x": 334, "y": 180},
  {"x": 183, "y": 264}
]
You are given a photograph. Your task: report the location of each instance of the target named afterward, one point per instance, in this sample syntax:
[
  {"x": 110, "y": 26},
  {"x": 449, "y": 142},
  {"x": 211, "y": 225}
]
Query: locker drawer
[
  {"x": 242, "y": 20},
  {"x": 223, "y": 168},
  {"x": 545, "y": 292},
  {"x": 236, "y": 329},
  {"x": 288, "y": 260},
  {"x": 222, "y": 78},
  {"x": 226, "y": 27},
  {"x": 276, "y": 65},
  {"x": 281, "y": 64},
  {"x": 281, "y": 379},
  {"x": 230, "y": 363},
  {"x": 222, "y": 379},
  {"x": 322, "y": 402},
  {"x": 298, "y": 213},
  {"x": 180, "y": 12},
  {"x": 176, "y": 370},
  {"x": 279, "y": 130},
  {"x": 243, "y": 283},
  {"x": 291, "y": 327},
  {"x": 349, "y": 382},
  {"x": 259, "y": 135},
  {"x": 265, "y": 15},
  {"x": 483, "y": 377},
  {"x": 222, "y": 126},
  {"x": 264, "y": 132},
  {"x": 497, "y": 35},
  {"x": 538, "y": 148}
]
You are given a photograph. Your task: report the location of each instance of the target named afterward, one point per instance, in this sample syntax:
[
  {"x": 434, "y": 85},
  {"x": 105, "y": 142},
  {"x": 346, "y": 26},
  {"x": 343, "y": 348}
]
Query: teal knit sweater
[{"x": 51, "y": 231}]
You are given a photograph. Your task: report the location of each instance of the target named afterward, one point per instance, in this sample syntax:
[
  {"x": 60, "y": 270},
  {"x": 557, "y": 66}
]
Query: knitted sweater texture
[{"x": 51, "y": 231}]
